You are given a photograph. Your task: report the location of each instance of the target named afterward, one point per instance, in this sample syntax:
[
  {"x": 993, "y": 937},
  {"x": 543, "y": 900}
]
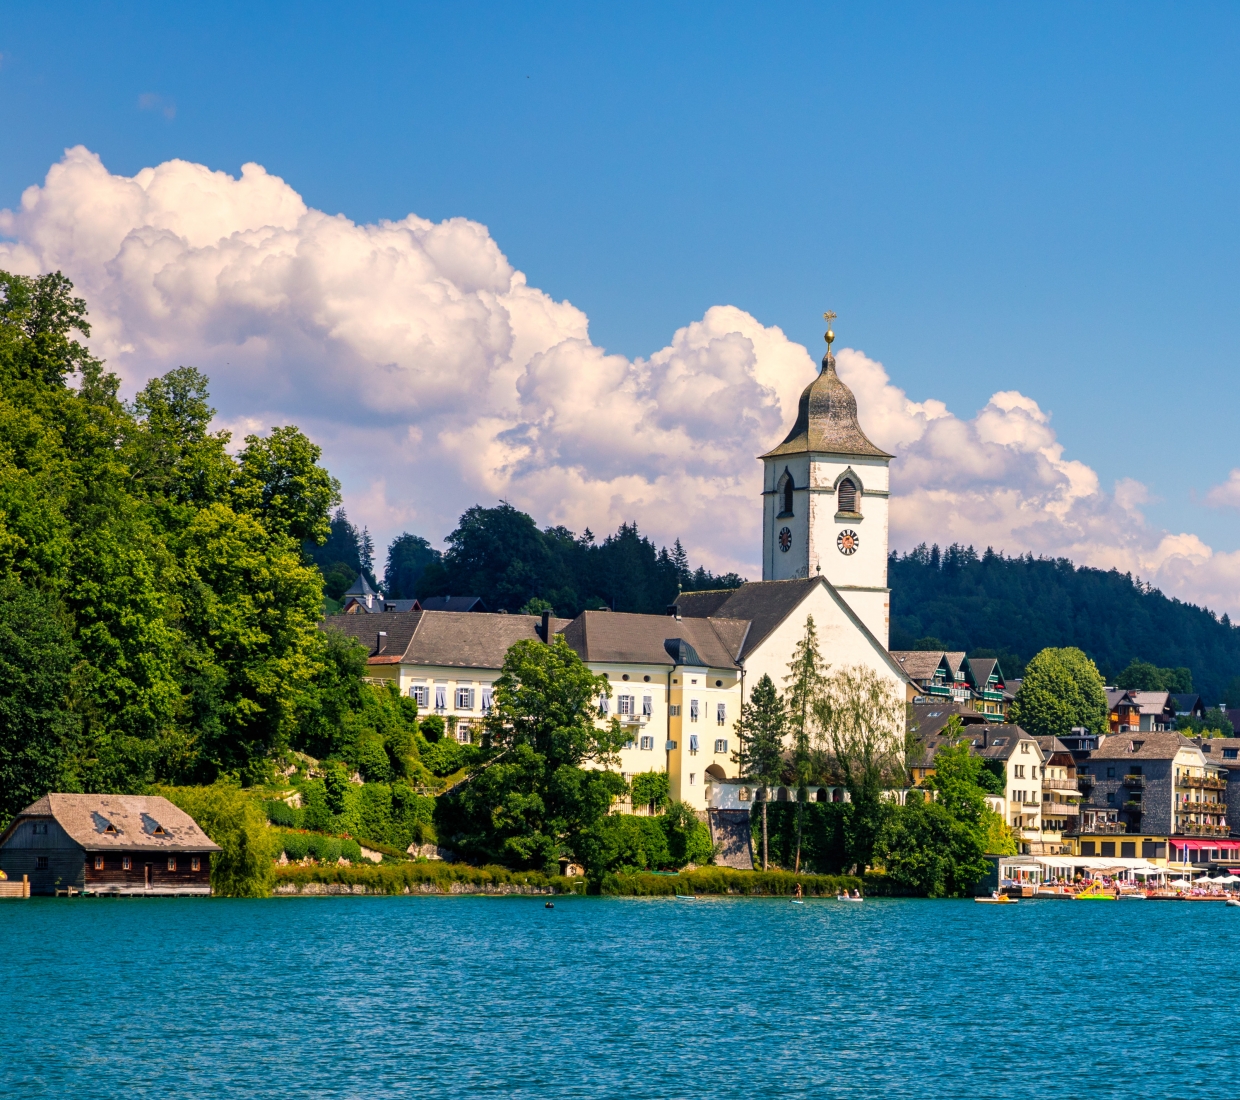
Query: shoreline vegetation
[{"x": 433, "y": 877}]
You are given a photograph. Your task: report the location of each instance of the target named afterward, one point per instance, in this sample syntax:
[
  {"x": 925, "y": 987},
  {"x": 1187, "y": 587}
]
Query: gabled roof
[
  {"x": 954, "y": 659},
  {"x": 1051, "y": 745},
  {"x": 766, "y": 604},
  {"x": 931, "y": 718},
  {"x": 453, "y": 603},
  {"x": 982, "y": 669},
  {"x": 1115, "y": 696},
  {"x": 116, "y": 822},
  {"x": 920, "y": 664},
  {"x": 449, "y": 639},
  {"x": 1151, "y": 702},
  {"x": 998, "y": 742},
  {"x": 1142, "y": 746},
  {"x": 612, "y": 637},
  {"x": 1186, "y": 703}
]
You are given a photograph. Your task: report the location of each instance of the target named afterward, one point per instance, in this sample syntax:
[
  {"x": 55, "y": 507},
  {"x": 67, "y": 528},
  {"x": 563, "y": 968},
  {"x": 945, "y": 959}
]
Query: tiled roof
[
  {"x": 827, "y": 420},
  {"x": 1142, "y": 746},
  {"x": 133, "y": 821},
  {"x": 932, "y": 717},
  {"x": 998, "y": 742},
  {"x": 764, "y": 604},
  {"x": 452, "y": 603},
  {"x": 620, "y": 638},
  {"x": 1151, "y": 702},
  {"x": 1212, "y": 748},
  {"x": 449, "y": 639},
  {"x": 920, "y": 664}
]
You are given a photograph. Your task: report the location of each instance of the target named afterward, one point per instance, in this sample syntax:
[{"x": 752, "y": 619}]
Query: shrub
[
  {"x": 351, "y": 850},
  {"x": 281, "y": 813},
  {"x": 243, "y": 869},
  {"x": 650, "y": 789},
  {"x": 316, "y": 814},
  {"x": 431, "y": 727},
  {"x": 395, "y": 878},
  {"x": 295, "y": 845}
]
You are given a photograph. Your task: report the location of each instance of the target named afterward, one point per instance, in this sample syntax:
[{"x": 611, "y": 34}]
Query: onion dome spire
[{"x": 827, "y": 415}]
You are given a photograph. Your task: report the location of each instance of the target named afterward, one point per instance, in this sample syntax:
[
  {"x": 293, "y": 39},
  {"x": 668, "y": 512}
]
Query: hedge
[
  {"x": 394, "y": 878},
  {"x": 725, "y": 880},
  {"x": 298, "y": 846}
]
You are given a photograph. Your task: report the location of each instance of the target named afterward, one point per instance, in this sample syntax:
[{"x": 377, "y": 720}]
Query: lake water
[{"x": 427, "y": 996}]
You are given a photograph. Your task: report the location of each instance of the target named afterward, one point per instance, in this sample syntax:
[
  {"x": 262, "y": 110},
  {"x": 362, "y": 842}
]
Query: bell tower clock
[{"x": 825, "y": 497}]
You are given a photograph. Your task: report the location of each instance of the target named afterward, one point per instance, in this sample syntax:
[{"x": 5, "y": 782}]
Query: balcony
[
  {"x": 1191, "y": 829},
  {"x": 1132, "y": 806},
  {"x": 1099, "y": 828},
  {"x": 1060, "y": 809},
  {"x": 1202, "y": 782},
  {"x": 1085, "y": 782},
  {"x": 1061, "y": 785},
  {"x": 1135, "y": 781},
  {"x": 1201, "y": 807}
]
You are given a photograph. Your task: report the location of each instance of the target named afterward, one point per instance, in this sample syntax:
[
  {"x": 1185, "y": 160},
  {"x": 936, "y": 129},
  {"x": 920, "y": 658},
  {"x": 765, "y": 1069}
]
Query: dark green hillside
[{"x": 1021, "y": 605}]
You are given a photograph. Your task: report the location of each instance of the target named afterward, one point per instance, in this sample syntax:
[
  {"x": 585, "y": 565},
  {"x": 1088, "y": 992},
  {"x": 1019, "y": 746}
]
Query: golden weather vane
[{"x": 829, "y": 336}]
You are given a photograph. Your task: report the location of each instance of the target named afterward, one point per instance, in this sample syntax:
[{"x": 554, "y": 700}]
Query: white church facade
[{"x": 678, "y": 681}]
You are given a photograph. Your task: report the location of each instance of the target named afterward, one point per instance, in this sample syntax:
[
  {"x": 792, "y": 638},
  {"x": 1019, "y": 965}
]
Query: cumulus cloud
[
  {"x": 1226, "y": 495},
  {"x": 435, "y": 377}
]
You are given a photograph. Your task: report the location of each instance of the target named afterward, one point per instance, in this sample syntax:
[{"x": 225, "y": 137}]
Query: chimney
[{"x": 545, "y": 630}]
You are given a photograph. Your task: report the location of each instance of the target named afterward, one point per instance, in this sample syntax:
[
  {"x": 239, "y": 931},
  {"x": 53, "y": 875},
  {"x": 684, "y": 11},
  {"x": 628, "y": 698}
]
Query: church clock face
[
  {"x": 785, "y": 539},
  {"x": 848, "y": 542}
]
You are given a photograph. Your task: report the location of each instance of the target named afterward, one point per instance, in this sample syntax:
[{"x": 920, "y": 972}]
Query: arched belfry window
[
  {"x": 785, "y": 488},
  {"x": 847, "y": 494}
]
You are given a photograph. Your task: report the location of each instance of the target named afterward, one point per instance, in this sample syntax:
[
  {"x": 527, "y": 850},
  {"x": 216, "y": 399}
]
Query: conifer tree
[
  {"x": 805, "y": 680},
  {"x": 761, "y": 753}
]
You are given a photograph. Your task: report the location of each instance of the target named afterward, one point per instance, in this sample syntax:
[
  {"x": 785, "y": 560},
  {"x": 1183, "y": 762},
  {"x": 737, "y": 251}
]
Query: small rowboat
[
  {"x": 997, "y": 899},
  {"x": 847, "y": 897},
  {"x": 686, "y": 897},
  {"x": 1234, "y": 901}
]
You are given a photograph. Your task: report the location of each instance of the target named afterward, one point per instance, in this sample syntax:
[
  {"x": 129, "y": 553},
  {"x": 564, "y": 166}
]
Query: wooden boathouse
[{"x": 115, "y": 844}]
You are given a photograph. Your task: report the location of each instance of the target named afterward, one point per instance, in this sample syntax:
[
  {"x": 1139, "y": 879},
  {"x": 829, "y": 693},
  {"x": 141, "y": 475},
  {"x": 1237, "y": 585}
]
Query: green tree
[
  {"x": 760, "y": 753},
  {"x": 279, "y": 481},
  {"x": 1231, "y": 696},
  {"x": 1144, "y": 676},
  {"x": 38, "y": 732},
  {"x": 535, "y": 800},
  {"x": 805, "y": 682},
  {"x": 407, "y": 559},
  {"x": 862, "y": 719},
  {"x": 1062, "y": 689},
  {"x": 244, "y": 868}
]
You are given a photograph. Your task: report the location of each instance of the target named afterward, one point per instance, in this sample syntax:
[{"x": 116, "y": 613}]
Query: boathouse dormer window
[{"x": 847, "y": 496}]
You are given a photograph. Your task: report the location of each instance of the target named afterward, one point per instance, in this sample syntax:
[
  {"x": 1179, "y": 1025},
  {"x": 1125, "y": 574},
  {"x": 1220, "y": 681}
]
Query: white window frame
[
  {"x": 624, "y": 705},
  {"x": 693, "y": 710},
  {"x": 464, "y": 698},
  {"x": 647, "y": 706},
  {"x": 721, "y": 744},
  {"x": 647, "y": 744},
  {"x": 420, "y": 694},
  {"x": 441, "y": 697}
]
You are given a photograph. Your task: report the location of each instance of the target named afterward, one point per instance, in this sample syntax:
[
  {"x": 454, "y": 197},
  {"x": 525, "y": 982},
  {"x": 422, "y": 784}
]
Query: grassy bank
[
  {"x": 399, "y": 878},
  {"x": 725, "y": 880}
]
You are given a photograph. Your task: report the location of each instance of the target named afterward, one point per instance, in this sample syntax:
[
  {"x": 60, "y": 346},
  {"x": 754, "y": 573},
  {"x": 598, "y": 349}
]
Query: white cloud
[
  {"x": 1226, "y": 495},
  {"x": 435, "y": 377}
]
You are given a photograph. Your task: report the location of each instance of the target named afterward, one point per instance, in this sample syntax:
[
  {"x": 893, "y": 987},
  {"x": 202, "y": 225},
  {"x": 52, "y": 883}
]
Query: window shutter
[
  {"x": 647, "y": 705},
  {"x": 848, "y": 496}
]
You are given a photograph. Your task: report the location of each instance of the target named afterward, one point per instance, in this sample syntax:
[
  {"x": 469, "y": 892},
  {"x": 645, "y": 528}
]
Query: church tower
[{"x": 824, "y": 501}]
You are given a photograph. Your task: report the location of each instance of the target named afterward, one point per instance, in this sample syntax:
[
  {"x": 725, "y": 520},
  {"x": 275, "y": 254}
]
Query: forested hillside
[{"x": 1018, "y": 606}]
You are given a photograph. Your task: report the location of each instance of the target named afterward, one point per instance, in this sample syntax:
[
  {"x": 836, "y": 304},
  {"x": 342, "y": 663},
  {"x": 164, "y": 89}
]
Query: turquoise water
[{"x": 429, "y": 997}]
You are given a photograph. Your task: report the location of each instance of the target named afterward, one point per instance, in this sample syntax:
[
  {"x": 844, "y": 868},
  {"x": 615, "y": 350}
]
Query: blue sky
[{"x": 1039, "y": 198}]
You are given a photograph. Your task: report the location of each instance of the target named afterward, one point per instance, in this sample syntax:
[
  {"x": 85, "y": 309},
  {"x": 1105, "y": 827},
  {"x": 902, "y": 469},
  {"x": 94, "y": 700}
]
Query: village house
[
  {"x": 1123, "y": 711},
  {"x": 107, "y": 844},
  {"x": 976, "y": 683},
  {"x": 1061, "y": 807},
  {"x": 1152, "y": 795},
  {"x": 1020, "y": 759}
]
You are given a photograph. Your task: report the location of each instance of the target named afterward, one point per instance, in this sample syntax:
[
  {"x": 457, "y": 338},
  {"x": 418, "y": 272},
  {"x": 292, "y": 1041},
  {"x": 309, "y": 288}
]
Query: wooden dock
[{"x": 15, "y": 889}]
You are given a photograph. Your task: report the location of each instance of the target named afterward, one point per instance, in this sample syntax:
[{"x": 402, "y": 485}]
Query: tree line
[
  {"x": 501, "y": 555},
  {"x": 1013, "y": 607}
]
